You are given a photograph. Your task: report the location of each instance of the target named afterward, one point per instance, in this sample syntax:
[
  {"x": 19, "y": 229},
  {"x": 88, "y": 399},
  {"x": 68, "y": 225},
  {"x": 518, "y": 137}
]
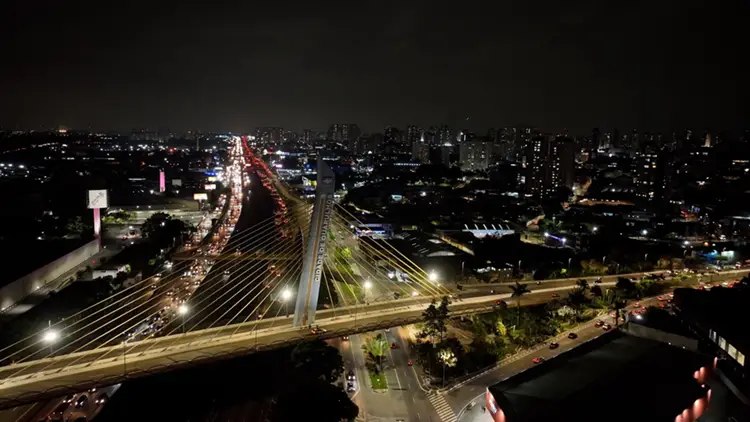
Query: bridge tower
[{"x": 312, "y": 264}]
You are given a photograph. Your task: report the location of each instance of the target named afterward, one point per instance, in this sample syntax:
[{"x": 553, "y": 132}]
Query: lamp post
[
  {"x": 183, "y": 311},
  {"x": 50, "y": 337},
  {"x": 433, "y": 277},
  {"x": 286, "y": 295}
]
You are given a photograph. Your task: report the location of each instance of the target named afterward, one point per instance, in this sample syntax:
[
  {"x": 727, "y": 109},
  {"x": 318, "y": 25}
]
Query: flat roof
[
  {"x": 721, "y": 309},
  {"x": 615, "y": 377}
]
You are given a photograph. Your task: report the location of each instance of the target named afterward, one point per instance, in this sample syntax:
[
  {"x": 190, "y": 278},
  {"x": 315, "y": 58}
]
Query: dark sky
[{"x": 553, "y": 64}]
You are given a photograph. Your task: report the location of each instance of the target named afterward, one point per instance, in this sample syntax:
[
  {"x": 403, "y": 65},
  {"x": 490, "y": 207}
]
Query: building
[
  {"x": 719, "y": 317},
  {"x": 269, "y": 135},
  {"x": 615, "y": 377},
  {"x": 475, "y": 155},
  {"x": 445, "y": 135},
  {"x": 413, "y": 135},
  {"x": 343, "y": 133},
  {"x": 652, "y": 176},
  {"x": 420, "y": 151},
  {"x": 550, "y": 165}
]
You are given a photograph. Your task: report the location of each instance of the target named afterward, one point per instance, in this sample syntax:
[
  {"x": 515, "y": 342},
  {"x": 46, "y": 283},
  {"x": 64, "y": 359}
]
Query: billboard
[
  {"x": 176, "y": 182},
  {"x": 211, "y": 178},
  {"x": 97, "y": 199},
  {"x": 200, "y": 196},
  {"x": 210, "y": 186}
]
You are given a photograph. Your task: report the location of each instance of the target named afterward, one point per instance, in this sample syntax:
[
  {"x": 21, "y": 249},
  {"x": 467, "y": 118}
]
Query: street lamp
[
  {"x": 286, "y": 294},
  {"x": 415, "y": 293},
  {"x": 433, "y": 276},
  {"x": 563, "y": 240},
  {"x": 183, "y": 310},
  {"x": 594, "y": 229},
  {"x": 644, "y": 232},
  {"x": 546, "y": 234}
]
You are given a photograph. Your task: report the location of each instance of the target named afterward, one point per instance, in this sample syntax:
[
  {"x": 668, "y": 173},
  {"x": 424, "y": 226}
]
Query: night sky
[{"x": 652, "y": 65}]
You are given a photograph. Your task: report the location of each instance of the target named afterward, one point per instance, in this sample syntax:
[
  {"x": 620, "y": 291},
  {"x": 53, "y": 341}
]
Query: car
[
  {"x": 69, "y": 398},
  {"x": 637, "y": 305},
  {"x": 555, "y": 295},
  {"x": 350, "y": 376},
  {"x": 345, "y": 338},
  {"x": 394, "y": 345},
  {"x": 598, "y": 281},
  {"x": 554, "y": 345},
  {"x": 499, "y": 302},
  {"x": 606, "y": 327},
  {"x": 538, "y": 360},
  {"x": 82, "y": 401},
  {"x": 662, "y": 305},
  {"x": 317, "y": 330},
  {"x": 572, "y": 336},
  {"x": 59, "y": 412},
  {"x": 410, "y": 363},
  {"x": 350, "y": 387},
  {"x": 660, "y": 298},
  {"x": 599, "y": 323}
]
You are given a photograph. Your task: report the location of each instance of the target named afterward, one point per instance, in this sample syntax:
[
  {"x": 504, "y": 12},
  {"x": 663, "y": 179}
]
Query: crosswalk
[{"x": 442, "y": 408}]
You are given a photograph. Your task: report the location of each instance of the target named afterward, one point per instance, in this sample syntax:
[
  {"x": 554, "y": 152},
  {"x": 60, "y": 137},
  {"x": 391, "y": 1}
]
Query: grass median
[{"x": 378, "y": 381}]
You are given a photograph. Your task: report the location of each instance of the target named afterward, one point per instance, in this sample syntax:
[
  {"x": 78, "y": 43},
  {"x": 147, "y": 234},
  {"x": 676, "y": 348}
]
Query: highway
[{"x": 78, "y": 371}]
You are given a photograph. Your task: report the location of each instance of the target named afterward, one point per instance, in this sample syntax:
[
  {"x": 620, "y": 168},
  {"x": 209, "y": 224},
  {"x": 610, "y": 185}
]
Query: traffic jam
[{"x": 175, "y": 292}]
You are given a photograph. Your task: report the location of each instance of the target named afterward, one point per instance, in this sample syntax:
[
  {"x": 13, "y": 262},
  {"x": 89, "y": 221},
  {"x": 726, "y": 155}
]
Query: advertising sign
[
  {"x": 200, "y": 196},
  {"x": 97, "y": 199},
  {"x": 210, "y": 186}
]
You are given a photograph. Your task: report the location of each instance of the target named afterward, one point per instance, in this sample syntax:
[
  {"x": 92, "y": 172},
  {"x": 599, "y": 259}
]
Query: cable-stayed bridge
[{"x": 299, "y": 274}]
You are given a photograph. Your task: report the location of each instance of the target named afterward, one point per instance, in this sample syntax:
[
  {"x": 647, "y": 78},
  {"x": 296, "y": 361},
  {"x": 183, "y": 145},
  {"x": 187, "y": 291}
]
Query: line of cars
[{"x": 76, "y": 407}]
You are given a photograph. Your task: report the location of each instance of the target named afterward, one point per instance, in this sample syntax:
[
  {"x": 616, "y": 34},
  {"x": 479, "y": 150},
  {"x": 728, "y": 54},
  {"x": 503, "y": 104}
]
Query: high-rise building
[
  {"x": 307, "y": 136},
  {"x": 549, "y": 165},
  {"x": 475, "y": 155},
  {"x": 445, "y": 135},
  {"x": 420, "y": 151},
  {"x": 652, "y": 176},
  {"x": 413, "y": 135},
  {"x": 269, "y": 134},
  {"x": 344, "y": 133},
  {"x": 392, "y": 135}
]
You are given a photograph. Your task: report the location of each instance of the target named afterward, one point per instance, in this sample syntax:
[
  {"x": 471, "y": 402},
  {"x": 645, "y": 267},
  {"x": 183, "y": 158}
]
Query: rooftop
[
  {"x": 585, "y": 383},
  {"x": 721, "y": 309}
]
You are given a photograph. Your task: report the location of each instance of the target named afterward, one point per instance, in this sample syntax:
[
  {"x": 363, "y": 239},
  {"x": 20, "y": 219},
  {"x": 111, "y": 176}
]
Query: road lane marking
[{"x": 444, "y": 411}]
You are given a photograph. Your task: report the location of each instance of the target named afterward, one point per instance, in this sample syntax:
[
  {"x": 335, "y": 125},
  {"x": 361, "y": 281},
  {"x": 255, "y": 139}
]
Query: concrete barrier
[{"x": 33, "y": 281}]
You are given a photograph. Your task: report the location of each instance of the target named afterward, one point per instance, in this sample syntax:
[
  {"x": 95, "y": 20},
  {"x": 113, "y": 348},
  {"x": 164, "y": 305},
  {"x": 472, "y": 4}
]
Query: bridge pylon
[{"x": 312, "y": 264}]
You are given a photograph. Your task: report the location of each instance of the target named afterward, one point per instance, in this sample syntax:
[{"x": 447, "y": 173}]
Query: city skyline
[{"x": 216, "y": 68}]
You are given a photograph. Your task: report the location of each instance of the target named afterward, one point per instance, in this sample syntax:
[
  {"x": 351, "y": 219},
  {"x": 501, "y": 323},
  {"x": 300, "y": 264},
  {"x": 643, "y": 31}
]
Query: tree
[
  {"x": 576, "y": 299},
  {"x": 318, "y": 360},
  {"x": 435, "y": 319},
  {"x": 583, "y": 285},
  {"x": 376, "y": 347},
  {"x": 518, "y": 291},
  {"x": 615, "y": 303},
  {"x": 448, "y": 359},
  {"x": 162, "y": 230},
  {"x": 597, "y": 291},
  {"x": 76, "y": 227},
  {"x": 500, "y": 327}
]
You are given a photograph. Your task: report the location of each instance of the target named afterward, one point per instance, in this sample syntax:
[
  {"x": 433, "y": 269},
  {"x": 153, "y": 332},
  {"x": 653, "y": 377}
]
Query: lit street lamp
[
  {"x": 183, "y": 311},
  {"x": 644, "y": 232},
  {"x": 286, "y": 295},
  {"x": 433, "y": 276}
]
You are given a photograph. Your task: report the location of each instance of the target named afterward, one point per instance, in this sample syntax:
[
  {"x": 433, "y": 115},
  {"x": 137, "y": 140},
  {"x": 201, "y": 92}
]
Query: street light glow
[
  {"x": 51, "y": 336},
  {"x": 595, "y": 228},
  {"x": 414, "y": 293},
  {"x": 182, "y": 309},
  {"x": 563, "y": 240},
  {"x": 368, "y": 285},
  {"x": 644, "y": 232},
  {"x": 546, "y": 234},
  {"x": 286, "y": 295},
  {"x": 433, "y": 276}
]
